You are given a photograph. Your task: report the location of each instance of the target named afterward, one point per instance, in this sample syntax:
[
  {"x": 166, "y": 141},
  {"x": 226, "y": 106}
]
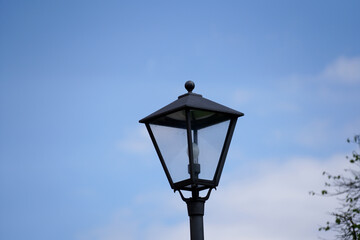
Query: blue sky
[{"x": 76, "y": 76}]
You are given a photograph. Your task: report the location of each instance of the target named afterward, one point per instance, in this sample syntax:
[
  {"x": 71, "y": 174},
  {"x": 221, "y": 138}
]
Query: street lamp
[{"x": 192, "y": 136}]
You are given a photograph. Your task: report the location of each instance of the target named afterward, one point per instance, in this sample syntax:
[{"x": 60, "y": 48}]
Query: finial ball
[{"x": 189, "y": 85}]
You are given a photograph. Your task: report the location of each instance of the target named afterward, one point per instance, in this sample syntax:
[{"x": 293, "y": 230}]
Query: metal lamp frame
[{"x": 187, "y": 103}]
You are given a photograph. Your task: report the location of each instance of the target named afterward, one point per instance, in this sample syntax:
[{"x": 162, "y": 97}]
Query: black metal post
[{"x": 195, "y": 206}]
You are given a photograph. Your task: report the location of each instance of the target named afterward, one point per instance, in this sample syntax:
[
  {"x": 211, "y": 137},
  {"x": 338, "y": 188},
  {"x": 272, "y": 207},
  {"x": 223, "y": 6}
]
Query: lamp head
[{"x": 184, "y": 128}]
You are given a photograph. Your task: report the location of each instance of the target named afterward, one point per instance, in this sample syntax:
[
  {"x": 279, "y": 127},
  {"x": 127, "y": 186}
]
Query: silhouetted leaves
[{"x": 347, "y": 216}]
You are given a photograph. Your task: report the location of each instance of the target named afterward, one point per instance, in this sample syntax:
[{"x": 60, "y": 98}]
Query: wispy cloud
[
  {"x": 120, "y": 226},
  {"x": 136, "y": 141},
  {"x": 343, "y": 69},
  {"x": 307, "y": 110},
  {"x": 272, "y": 204},
  {"x": 314, "y": 133}
]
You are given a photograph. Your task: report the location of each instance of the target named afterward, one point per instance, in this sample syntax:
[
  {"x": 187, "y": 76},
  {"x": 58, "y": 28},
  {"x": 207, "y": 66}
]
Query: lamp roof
[{"x": 192, "y": 101}]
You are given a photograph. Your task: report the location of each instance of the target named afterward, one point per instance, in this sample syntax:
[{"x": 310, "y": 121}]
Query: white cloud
[
  {"x": 272, "y": 204},
  {"x": 266, "y": 101},
  {"x": 314, "y": 133},
  {"x": 165, "y": 232},
  {"x": 344, "y": 69},
  {"x": 121, "y": 226},
  {"x": 136, "y": 141},
  {"x": 318, "y": 108}
]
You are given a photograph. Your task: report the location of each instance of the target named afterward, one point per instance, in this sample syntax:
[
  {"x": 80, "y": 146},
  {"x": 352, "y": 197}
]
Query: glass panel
[
  {"x": 210, "y": 141},
  {"x": 173, "y": 146}
]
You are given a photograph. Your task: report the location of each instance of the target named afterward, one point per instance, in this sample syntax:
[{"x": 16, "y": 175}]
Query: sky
[{"x": 77, "y": 76}]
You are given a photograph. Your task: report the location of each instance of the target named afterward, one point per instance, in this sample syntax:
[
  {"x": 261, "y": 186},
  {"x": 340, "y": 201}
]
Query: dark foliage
[{"x": 346, "y": 222}]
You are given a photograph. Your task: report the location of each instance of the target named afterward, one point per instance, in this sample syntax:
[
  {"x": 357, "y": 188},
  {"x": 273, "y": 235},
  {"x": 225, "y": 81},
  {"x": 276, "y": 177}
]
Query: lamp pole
[{"x": 195, "y": 206}]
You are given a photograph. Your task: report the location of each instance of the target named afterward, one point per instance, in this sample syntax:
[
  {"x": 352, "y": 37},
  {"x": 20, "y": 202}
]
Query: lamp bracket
[{"x": 185, "y": 199}]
